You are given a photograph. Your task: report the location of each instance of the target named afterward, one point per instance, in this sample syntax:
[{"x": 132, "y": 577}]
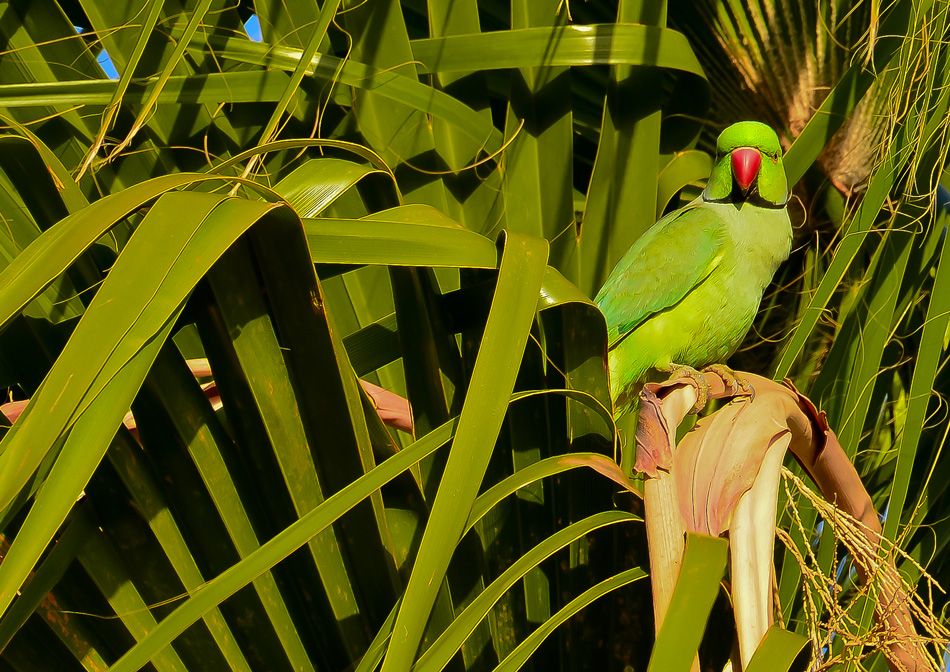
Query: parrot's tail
[
  {"x": 626, "y": 413},
  {"x": 626, "y": 401},
  {"x": 626, "y": 382}
]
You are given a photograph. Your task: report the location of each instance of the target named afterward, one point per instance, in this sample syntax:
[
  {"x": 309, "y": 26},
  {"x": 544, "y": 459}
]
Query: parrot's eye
[{"x": 775, "y": 159}]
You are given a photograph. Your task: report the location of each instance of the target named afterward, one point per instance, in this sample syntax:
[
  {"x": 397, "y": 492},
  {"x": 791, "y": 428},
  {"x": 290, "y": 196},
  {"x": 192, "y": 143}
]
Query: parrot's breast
[{"x": 709, "y": 323}]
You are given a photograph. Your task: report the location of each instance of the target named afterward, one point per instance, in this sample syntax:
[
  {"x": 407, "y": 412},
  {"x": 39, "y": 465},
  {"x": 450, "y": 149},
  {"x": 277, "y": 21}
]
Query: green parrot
[{"x": 685, "y": 294}]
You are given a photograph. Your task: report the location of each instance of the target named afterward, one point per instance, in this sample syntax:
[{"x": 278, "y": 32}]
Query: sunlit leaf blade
[
  {"x": 683, "y": 169},
  {"x": 696, "y": 589},
  {"x": 881, "y": 183},
  {"x": 523, "y": 652},
  {"x": 104, "y": 565},
  {"x": 407, "y": 236},
  {"x": 519, "y": 279},
  {"x": 404, "y": 137},
  {"x": 127, "y": 325},
  {"x": 278, "y": 548},
  {"x": 112, "y": 108},
  {"x": 272, "y": 423},
  {"x": 607, "y": 44},
  {"x": 439, "y": 654},
  {"x": 47, "y": 575},
  {"x": 319, "y": 182},
  {"x": 194, "y": 427},
  {"x": 778, "y": 651},
  {"x": 153, "y": 504},
  {"x": 134, "y": 335},
  {"x": 51, "y": 255},
  {"x": 169, "y": 66}
]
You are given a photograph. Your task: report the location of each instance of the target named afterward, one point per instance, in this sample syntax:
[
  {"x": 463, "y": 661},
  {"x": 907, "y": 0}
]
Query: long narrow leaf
[
  {"x": 521, "y": 271},
  {"x": 523, "y": 651},
  {"x": 268, "y": 555},
  {"x": 696, "y": 589}
]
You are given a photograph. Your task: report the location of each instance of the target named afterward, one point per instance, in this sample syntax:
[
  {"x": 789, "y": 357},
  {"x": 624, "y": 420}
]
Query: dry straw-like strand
[{"x": 882, "y": 582}]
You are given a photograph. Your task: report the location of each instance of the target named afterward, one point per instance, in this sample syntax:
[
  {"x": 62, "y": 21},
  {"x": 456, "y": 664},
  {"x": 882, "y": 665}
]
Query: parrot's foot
[
  {"x": 687, "y": 374},
  {"x": 736, "y": 385}
]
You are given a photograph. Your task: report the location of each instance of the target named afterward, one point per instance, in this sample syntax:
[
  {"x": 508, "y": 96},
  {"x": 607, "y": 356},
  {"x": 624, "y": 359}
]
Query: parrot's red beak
[{"x": 745, "y": 166}]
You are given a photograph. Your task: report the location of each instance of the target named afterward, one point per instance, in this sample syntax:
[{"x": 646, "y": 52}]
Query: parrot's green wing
[{"x": 666, "y": 262}]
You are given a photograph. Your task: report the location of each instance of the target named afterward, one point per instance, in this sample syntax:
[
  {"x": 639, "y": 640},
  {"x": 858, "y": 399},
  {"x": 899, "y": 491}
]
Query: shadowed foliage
[{"x": 424, "y": 196}]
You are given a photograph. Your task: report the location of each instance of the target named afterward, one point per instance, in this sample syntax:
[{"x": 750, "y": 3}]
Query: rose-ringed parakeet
[{"x": 686, "y": 292}]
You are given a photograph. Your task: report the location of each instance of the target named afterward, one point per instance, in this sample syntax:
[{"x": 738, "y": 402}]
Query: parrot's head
[{"x": 748, "y": 167}]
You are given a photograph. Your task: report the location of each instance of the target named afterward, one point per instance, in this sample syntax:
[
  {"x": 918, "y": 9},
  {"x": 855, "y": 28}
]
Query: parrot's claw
[
  {"x": 736, "y": 385},
  {"x": 687, "y": 374}
]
